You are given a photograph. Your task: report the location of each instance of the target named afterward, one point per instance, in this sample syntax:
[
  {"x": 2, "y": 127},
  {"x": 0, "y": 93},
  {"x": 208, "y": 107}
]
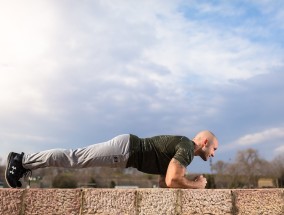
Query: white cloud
[
  {"x": 27, "y": 137},
  {"x": 279, "y": 150},
  {"x": 104, "y": 42},
  {"x": 25, "y": 30},
  {"x": 261, "y": 137}
]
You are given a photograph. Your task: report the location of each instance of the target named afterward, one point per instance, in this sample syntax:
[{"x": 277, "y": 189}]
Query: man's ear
[{"x": 205, "y": 142}]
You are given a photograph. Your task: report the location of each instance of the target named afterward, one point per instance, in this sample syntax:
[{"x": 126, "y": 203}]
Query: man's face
[{"x": 209, "y": 150}]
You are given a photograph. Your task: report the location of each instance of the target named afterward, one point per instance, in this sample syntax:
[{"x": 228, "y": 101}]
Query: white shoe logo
[{"x": 12, "y": 171}]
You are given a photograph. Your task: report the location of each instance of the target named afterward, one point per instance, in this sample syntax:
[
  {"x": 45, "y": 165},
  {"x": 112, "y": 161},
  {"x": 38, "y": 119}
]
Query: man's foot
[{"x": 15, "y": 170}]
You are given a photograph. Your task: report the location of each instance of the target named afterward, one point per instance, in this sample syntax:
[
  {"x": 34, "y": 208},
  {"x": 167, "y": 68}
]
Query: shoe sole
[{"x": 8, "y": 167}]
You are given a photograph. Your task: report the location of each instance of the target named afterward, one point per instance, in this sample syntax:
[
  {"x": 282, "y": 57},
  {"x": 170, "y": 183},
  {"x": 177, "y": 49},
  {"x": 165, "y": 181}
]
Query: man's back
[{"x": 152, "y": 155}]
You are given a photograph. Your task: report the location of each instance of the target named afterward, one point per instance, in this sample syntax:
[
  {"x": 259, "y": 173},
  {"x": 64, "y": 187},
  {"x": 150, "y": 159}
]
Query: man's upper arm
[
  {"x": 175, "y": 171},
  {"x": 184, "y": 153}
]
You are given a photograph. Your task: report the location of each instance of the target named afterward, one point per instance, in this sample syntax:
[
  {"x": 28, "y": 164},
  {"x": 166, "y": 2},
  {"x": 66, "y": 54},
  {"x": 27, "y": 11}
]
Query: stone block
[
  {"x": 206, "y": 202},
  {"x": 52, "y": 201},
  {"x": 141, "y": 201},
  {"x": 158, "y": 201},
  {"x": 109, "y": 201},
  {"x": 264, "y": 201},
  {"x": 10, "y": 201}
]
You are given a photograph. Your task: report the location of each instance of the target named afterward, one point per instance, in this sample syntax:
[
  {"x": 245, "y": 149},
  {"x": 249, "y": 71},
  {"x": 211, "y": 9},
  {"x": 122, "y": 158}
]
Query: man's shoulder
[
  {"x": 184, "y": 151},
  {"x": 183, "y": 139},
  {"x": 170, "y": 136},
  {"x": 185, "y": 143}
]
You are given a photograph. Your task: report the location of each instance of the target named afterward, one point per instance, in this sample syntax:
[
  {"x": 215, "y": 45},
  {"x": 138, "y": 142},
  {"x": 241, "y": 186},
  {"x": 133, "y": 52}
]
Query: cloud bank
[{"x": 78, "y": 73}]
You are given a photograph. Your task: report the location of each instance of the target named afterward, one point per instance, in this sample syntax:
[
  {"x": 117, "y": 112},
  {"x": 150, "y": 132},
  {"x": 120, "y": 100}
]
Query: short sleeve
[{"x": 184, "y": 152}]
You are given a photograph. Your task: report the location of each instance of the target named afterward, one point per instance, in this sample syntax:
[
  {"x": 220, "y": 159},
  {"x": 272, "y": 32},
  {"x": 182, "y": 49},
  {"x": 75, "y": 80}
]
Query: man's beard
[{"x": 204, "y": 157}]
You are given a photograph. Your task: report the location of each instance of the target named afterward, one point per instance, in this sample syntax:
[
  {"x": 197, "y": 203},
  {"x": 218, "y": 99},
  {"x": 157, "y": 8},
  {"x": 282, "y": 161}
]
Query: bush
[{"x": 64, "y": 180}]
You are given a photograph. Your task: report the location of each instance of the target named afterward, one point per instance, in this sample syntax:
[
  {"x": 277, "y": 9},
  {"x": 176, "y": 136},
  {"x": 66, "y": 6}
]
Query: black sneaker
[{"x": 15, "y": 170}]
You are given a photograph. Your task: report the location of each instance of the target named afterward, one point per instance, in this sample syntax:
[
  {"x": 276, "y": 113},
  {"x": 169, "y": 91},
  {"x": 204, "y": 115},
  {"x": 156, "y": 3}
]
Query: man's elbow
[
  {"x": 162, "y": 184},
  {"x": 172, "y": 182}
]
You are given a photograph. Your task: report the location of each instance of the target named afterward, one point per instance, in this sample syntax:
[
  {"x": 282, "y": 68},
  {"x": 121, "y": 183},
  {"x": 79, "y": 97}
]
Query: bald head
[
  {"x": 205, "y": 135},
  {"x": 206, "y": 144}
]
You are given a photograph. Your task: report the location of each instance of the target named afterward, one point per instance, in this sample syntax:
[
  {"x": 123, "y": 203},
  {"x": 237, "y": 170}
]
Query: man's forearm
[
  {"x": 175, "y": 177},
  {"x": 184, "y": 183}
]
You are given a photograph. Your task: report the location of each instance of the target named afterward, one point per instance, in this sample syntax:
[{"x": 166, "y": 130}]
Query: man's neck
[{"x": 197, "y": 149}]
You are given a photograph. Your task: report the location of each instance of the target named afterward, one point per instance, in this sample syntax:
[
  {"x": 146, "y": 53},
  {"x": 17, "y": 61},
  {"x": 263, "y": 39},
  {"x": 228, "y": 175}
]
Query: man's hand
[
  {"x": 175, "y": 177},
  {"x": 201, "y": 180}
]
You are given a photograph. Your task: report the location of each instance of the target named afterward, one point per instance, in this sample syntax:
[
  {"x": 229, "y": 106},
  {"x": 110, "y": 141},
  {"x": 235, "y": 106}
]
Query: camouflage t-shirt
[{"x": 153, "y": 155}]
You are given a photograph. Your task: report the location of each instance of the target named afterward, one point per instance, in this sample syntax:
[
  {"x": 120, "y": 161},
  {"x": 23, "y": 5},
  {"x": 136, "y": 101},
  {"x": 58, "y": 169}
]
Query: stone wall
[{"x": 140, "y": 201}]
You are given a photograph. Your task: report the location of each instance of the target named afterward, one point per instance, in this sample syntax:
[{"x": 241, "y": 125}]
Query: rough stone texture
[
  {"x": 265, "y": 201},
  {"x": 158, "y": 201},
  {"x": 109, "y": 201},
  {"x": 206, "y": 202},
  {"x": 10, "y": 201},
  {"x": 52, "y": 201},
  {"x": 140, "y": 201}
]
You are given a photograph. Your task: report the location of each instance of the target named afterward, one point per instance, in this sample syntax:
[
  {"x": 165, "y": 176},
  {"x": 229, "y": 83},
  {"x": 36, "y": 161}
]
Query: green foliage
[
  {"x": 281, "y": 181},
  {"x": 112, "y": 184},
  {"x": 2, "y": 173},
  {"x": 236, "y": 184},
  {"x": 64, "y": 180},
  {"x": 92, "y": 182},
  {"x": 210, "y": 181},
  {"x": 150, "y": 177}
]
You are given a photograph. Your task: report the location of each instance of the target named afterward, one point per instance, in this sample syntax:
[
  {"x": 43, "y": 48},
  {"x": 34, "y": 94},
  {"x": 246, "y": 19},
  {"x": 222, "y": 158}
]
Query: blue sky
[{"x": 74, "y": 73}]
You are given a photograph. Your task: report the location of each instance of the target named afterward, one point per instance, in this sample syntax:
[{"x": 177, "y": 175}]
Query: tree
[
  {"x": 220, "y": 168},
  {"x": 278, "y": 169},
  {"x": 234, "y": 173},
  {"x": 249, "y": 165}
]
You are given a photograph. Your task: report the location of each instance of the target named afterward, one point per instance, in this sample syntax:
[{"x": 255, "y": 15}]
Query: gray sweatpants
[{"x": 112, "y": 153}]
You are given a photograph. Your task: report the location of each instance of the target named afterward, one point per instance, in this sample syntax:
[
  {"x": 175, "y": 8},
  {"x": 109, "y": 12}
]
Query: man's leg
[{"x": 112, "y": 153}]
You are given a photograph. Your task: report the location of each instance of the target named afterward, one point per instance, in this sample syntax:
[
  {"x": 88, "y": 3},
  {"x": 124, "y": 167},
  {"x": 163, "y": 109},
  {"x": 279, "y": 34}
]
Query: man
[{"x": 166, "y": 155}]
